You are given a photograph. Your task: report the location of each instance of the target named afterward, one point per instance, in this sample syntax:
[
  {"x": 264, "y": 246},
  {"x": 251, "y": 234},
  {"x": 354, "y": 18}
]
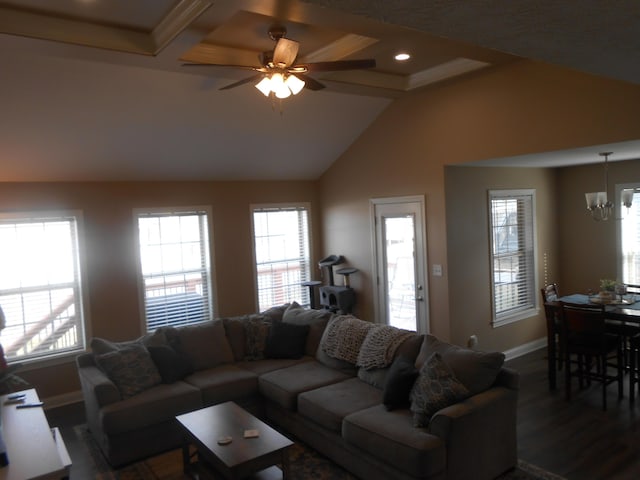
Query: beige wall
[
  {"x": 588, "y": 248},
  {"x": 526, "y": 107},
  {"x": 110, "y": 247},
  {"x": 468, "y": 247},
  {"x": 522, "y": 108}
]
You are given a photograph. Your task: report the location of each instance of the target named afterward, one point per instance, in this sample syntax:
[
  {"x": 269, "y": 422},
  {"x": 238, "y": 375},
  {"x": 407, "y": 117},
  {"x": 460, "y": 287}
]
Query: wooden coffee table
[{"x": 241, "y": 458}]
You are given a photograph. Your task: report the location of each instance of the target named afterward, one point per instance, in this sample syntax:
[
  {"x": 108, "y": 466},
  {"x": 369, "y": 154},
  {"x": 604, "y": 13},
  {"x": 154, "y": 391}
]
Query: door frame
[{"x": 423, "y": 324}]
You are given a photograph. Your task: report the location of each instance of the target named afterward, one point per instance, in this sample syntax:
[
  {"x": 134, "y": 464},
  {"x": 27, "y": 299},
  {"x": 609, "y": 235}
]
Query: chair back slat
[{"x": 550, "y": 293}]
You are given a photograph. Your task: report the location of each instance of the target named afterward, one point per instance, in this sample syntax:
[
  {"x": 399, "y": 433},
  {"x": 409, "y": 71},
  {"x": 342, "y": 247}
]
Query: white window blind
[
  {"x": 40, "y": 285},
  {"x": 630, "y": 241},
  {"x": 175, "y": 267},
  {"x": 282, "y": 254},
  {"x": 512, "y": 254}
]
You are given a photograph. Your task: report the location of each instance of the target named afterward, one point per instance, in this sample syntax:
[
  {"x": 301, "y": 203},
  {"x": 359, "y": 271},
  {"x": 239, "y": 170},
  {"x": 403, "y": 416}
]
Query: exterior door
[{"x": 400, "y": 263}]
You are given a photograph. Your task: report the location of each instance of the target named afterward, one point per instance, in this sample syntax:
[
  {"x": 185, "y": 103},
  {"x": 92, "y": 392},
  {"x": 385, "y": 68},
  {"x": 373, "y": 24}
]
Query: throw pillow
[
  {"x": 130, "y": 368},
  {"x": 316, "y": 319},
  {"x": 256, "y": 331},
  {"x": 205, "y": 344},
  {"x": 286, "y": 340},
  {"x": 476, "y": 370},
  {"x": 435, "y": 388},
  {"x": 101, "y": 345},
  {"x": 275, "y": 314},
  {"x": 171, "y": 365},
  {"x": 400, "y": 379}
]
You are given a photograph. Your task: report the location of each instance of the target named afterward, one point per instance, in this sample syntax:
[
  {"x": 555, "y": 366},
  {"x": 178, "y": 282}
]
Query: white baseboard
[
  {"x": 61, "y": 400},
  {"x": 526, "y": 348}
]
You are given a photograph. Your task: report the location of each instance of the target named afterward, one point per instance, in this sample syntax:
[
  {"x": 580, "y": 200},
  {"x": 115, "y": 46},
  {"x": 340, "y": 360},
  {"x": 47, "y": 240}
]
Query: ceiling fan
[{"x": 280, "y": 76}]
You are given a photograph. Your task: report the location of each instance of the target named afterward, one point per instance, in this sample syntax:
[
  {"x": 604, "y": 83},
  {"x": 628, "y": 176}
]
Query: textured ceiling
[
  {"x": 96, "y": 90},
  {"x": 596, "y": 36}
]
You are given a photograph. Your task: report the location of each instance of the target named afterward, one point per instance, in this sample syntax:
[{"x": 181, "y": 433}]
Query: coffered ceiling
[{"x": 98, "y": 90}]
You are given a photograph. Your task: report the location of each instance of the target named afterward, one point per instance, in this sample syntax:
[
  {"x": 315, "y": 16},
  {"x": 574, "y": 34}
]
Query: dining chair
[
  {"x": 550, "y": 293},
  {"x": 624, "y": 329},
  {"x": 586, "y": 340},
  {"x": 634, "y": 366}
]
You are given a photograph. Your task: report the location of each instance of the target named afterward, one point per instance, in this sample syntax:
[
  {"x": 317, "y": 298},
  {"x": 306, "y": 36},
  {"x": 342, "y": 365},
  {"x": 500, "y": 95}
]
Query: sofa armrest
[
  {"x": 507, "y": 377},
  {"x": 480, "y": 433},
  {"x": 97, "y": 389}
]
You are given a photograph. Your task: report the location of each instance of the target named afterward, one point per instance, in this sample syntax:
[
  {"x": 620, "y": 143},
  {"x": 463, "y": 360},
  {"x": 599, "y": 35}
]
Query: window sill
[{"x": 516, "y": 317}]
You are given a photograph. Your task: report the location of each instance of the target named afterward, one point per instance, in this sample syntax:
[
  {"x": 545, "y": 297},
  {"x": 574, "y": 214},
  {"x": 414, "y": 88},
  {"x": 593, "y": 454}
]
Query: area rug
[{"x": 305, "y": 464}]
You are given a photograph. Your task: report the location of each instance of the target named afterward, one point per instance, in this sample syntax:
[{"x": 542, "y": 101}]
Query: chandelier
[{"x": 598, "y": 204}]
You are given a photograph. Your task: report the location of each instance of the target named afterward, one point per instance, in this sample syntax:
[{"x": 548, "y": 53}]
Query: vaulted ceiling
[{"x": 98, "y": 90}]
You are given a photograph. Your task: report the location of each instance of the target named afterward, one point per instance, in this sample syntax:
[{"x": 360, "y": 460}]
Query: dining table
[{"x": 623, "y": 309}]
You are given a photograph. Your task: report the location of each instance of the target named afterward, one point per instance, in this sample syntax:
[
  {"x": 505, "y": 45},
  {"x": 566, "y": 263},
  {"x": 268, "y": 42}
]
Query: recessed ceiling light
[{"x": 402, "y": 57}]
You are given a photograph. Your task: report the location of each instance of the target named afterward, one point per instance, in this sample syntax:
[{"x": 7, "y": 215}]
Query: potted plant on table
[{"x": 607, "y": 290}]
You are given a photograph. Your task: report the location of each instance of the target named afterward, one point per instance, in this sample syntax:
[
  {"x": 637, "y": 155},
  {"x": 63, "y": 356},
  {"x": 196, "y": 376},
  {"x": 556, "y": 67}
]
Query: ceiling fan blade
[
  {"x": 285, "y": 52},
  {"x": 310, "y": 83},
  {"x": 243, "y": 67},
  {"x": 252, "y": 78},
  {"x": 339, "y": 65}
]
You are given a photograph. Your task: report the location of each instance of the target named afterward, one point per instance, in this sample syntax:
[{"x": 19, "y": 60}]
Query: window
[
  {"x": 630, "y": 239},
  {"x": 512, "y": 238},
  {"x": 174, "y": 266},
  {"x": 40, "y": 285},
  {"x": 282, "y": 258}
]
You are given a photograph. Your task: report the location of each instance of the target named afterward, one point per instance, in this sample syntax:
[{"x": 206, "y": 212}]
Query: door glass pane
[{"x": 401, "y": 278}]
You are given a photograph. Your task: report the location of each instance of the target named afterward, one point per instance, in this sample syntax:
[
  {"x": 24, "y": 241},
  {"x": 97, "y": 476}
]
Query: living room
[{"x": 422, "y": 143}]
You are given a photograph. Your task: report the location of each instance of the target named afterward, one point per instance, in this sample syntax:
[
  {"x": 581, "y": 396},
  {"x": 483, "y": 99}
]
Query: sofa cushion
[
  {"x": 224, "y": 383},
  {"x": 205, "y": 344},
  {"x": 130, "y": 369},
  {"x": 299, "y": 315},
  {"x": 283, "y": 386},
  {"x": 270, "y": 364},
  {"x": 234, "y": 328},
  {"x": 327, "y": 406},
  {"x": 402, "y": 375},
  {"x": 256, "y": 330},
  {"x": 413, "y": 451},
  {"x": 435, "y": 388},
  {"x": 476, "y": 370},
  {"x": 286, "y": 340},
  {"x": 158, "y": 404},
  {"x": 171, "y": 364},
  {"x": 316, "y": 319}
]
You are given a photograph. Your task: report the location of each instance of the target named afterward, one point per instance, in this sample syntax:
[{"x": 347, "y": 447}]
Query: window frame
[
  {"x": 208, "y": 250},
  {"x": 82, "y": 301},
  {"x": 530, "y": 307},
  {"x": 305, "y": 300},
  {"x": 623, "y": 218}
]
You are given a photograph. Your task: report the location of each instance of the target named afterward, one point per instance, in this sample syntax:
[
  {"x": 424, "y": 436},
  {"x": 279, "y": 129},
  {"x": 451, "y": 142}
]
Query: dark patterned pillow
[
  {"x": 130, "y": 368},
  {"x": 256, "y": 331},
  {"x": 436, "y": 388}
]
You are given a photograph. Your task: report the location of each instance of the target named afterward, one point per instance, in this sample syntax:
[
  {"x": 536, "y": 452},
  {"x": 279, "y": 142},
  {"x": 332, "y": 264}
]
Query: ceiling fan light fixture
[
  {"x": 264, "y": 86},
  {"x": 294, "y": 84}
]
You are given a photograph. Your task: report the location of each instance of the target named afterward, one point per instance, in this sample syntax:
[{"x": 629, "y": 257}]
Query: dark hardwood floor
[{"x": 574, "y": 439}]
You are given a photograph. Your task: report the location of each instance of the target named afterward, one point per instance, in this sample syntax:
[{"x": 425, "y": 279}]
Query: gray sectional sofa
[{"x": 381, "y": 402}]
